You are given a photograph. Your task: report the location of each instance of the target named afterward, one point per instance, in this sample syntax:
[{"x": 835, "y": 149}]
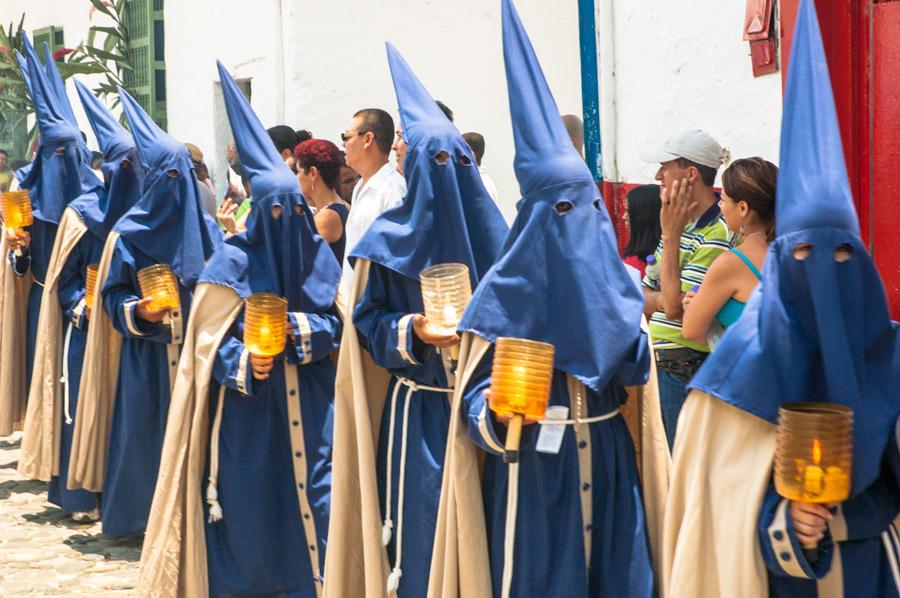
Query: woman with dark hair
[
  {"x": 642, "y": 219},
  {"x": 318, "y": 170},
  {"x": 748, "y": 206}
]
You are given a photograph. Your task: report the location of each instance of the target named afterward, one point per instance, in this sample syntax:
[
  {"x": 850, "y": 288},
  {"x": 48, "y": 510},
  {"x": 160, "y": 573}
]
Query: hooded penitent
[
  {"x": 447, "y": 216},
  {"x": 816, "y": 329},
  {"x": 167, "y": 223},
  {"x": 560, "y": 258},
  {"x": 563, "y": 521},
  {"x": 819, "y": 328},
  {"x": 59, "y": 361},
  {"x": 57, "y": 175},
  {"x": 271, "y": 540},
  {"x": 122, "y": 171}
]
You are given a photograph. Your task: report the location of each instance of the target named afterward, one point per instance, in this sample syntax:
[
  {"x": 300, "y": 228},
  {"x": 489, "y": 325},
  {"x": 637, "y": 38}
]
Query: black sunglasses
[{"x": 345, "y": 137}]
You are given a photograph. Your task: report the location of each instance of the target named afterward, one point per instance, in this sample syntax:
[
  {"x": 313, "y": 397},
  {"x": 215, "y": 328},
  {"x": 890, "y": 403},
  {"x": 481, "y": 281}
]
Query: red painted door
[{"x": 861, "y": 41}]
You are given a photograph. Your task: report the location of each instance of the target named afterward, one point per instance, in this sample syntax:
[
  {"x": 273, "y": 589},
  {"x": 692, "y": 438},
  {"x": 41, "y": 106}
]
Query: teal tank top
[{"x": 733, "y": 309}]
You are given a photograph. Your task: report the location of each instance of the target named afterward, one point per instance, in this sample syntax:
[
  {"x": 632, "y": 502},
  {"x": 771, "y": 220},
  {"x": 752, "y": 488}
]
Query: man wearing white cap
[{"x": 693, "y": 235}]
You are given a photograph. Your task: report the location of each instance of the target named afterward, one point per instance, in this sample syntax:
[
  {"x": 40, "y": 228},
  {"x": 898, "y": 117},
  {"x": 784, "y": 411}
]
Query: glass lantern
[
  {"x": 159, "y": 282},
  {"x": 265, "y": 324},
  {"x": 446, "y": 291}
]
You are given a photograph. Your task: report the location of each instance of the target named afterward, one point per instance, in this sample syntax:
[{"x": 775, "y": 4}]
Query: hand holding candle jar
[
  {"x": 446, "y": 291},
  {"x": 265, "y": 324},
  {"x": 158, "y": 283},
  {"x": 15, "y": 207},
  {"x": 520, "y": 385},
  {"x": 814, "y": 454}
]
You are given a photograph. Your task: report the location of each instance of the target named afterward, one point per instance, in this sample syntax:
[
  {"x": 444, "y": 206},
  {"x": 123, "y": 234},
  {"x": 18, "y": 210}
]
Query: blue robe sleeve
[
  {"x": 781, "y": 549},
  {"x": 868, "y": 514},
  {"x": 70, "y": 289},
  {"x": 232, "y": 365},
  {"x": 316, "y": 336},
  {"x": 120, "y": 297},
  {"x": 387, "y": 334},
  {"x": 635, "y": 370},
  {"x": 484, "y": 428}
]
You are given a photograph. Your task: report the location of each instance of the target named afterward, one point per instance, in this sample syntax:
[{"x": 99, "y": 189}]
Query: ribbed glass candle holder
[
  {"x": 265, "y": 324},
  {"x": 446, "y": 291},
  {"x": 15, "y": 207},
  {"x": 159, "y": 282},
  {"x": 814, "y": 452},
  {"x": 521, "y": 375},
  {"x": 90, "y": 284}
]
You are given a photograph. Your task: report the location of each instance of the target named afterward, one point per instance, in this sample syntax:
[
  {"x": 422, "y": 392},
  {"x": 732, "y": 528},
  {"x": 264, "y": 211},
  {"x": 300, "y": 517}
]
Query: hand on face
[{"x": 678, "y": 204}]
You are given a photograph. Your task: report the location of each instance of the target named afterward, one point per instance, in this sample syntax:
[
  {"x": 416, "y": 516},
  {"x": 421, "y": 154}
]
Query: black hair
[
  {"x": 707, "y": 173},
  {"x": 380, "y": 124},
  {"x": 303, "y": 135},
  {"x": 643, "y": 218},
  {"x": 4, "y": 152},
  {"x": 284, "y": 138},
  {"x": 445, "y": 109},
  {"x": 476, "y": 143}
]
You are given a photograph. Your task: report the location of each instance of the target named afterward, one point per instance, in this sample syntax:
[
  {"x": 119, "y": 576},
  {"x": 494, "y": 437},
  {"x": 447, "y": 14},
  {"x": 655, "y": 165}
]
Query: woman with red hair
[{"x": 318, "y": 170}]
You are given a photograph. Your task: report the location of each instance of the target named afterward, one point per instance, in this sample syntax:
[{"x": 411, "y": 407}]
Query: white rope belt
[
  {"x": 65, "y": 368},
  {"x": 580, "y": 420},
  {"x": 393, "y": 581}
]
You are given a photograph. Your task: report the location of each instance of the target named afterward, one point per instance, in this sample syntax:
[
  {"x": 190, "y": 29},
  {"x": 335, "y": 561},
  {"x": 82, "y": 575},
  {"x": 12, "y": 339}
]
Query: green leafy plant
[
  {"x": 15, "y": 104},
  {"x": 106, "y": 50}
]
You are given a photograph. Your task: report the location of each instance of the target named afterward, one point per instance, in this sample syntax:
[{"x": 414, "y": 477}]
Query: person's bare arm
[
  {"x": 328, "y": 224},
  {"x": 651, "y": 302},
  {"x": 717, "y": 288}
]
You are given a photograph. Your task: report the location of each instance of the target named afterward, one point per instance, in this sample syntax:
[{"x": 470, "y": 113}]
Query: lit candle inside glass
[
  {"x": 521, "y": 375},
  {"x": 446, "y": 291},
  {"x": 265, "y": 324},
  {"x": 15, "y": 208},
  {"x": 158, "y": 282}
]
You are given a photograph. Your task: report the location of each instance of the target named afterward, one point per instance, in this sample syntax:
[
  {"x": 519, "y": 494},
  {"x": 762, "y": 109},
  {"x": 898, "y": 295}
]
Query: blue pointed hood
[
  {"x": 59, "y": 173},
  {"x": 560, "y": 279},
  {"x": 816, "y": 329},
  {"x": 123, "y": 174},
  {"x": 283, "y": 255},
  {"x": 167, "y": 223},
  {"x": 59, "y": 86},
  {"x": 447, "y": 215}
]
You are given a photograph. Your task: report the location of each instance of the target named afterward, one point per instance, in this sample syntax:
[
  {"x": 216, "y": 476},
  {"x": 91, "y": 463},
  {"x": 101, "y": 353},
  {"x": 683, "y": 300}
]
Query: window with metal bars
[{"x": 146, "y": 39}]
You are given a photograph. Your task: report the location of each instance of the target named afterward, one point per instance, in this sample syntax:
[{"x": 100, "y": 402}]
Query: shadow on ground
[
  {"x": 111, "y": 548},
  {"x": 7, "y": 445},
  {"x": 10, "y": 487},
  {"x": 54, "y": 516}
]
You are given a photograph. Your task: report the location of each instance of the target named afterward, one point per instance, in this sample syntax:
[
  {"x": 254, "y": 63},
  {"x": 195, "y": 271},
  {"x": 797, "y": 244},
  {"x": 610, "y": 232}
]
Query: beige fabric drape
[
  {"x": 460, "y": 565},
  {"x": 173, "y": 561},
  {"x": 356, "y": 562},
  {"x": 97, "y": 394},
  {"x": 722, "y": 466},
  {"x": 43, "y": 426},
  {"x": 13, "y": 330}
]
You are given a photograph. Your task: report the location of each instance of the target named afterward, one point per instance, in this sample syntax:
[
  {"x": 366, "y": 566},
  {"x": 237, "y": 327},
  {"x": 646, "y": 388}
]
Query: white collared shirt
[
  {"x": 384, "y": 190},
  {"x": 489, "y": 184}
]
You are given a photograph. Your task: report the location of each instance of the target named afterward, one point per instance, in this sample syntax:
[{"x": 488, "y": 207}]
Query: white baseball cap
[{"x": 693, "y": 144}]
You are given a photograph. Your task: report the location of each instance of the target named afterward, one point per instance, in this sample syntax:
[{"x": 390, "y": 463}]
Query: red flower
[{"x": 61, "y": 53}]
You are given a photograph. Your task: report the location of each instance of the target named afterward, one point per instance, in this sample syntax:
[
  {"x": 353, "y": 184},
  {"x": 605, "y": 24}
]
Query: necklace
[{"x": 744, "y": 239}]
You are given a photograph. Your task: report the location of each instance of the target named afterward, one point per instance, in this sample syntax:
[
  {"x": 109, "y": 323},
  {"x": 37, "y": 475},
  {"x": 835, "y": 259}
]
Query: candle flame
[
  {"x": 817, "y": 451},
  {"x": 264, "y": 331}
]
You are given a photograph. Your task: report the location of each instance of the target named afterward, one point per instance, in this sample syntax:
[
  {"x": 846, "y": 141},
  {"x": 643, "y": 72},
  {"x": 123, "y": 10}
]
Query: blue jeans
[{"x": 672, "y": 393}]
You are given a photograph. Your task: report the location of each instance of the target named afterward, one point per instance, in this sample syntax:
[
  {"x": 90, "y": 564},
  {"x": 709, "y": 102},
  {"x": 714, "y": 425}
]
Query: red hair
[{"x": 322, "y": 154}]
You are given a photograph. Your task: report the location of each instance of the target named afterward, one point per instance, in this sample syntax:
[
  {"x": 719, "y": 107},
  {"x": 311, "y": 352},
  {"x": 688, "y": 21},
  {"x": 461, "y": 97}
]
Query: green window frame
[
  {"x": 146, "y": 49},
  {"x": 53, "y": 36}
]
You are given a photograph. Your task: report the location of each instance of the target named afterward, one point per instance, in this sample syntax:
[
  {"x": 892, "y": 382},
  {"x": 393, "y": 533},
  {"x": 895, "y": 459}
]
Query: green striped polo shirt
[{"x": 701, "y": 243}]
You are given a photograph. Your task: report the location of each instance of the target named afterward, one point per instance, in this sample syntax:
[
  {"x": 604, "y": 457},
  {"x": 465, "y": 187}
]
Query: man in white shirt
[
  {"x": 476, "y": 144},
  {"x": 367, "y": 144}
]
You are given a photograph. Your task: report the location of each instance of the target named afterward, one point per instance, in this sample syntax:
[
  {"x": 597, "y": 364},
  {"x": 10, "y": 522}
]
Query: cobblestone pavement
[{"x": 44, "y": 553}]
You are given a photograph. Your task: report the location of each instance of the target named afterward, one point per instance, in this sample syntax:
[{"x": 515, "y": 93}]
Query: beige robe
[
  {"x": 13, "y": 331},
  {"x": 97, "y": 394},
  {"x": 356, "y": 562},
  {"x": 460, "y": 565},
  {"x": 40, "y": 456},
  {"x": 722, "y": 467},
  {"x": 173, "y": 561}
]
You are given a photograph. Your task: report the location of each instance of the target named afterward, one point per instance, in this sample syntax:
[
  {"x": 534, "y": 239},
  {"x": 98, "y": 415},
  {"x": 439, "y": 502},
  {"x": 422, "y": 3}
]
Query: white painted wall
[
  {"x": 682, "y": 64},
  {"x": 665, "y": 65}
]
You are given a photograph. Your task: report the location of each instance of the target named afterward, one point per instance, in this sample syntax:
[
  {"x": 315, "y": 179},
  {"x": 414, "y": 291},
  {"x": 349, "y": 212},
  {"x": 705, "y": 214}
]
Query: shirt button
[
  {"x": 295, "y": 422},
  {"x": 292, "y": 392},
  {"x": 587, "y": 527},
  {"x": 585, "y": 486},
  {"x": 306, "y": 515},
  {"x": 785, "y": 556},
  {"x": 298, "y": 454},
  {"x": 312, "y": 546},
  {"x": 582, "y": 444},
  {"x": 779, "y": 535},
  {"x": 300, "y": 485},
  {"x": 174, "y": 362}
]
